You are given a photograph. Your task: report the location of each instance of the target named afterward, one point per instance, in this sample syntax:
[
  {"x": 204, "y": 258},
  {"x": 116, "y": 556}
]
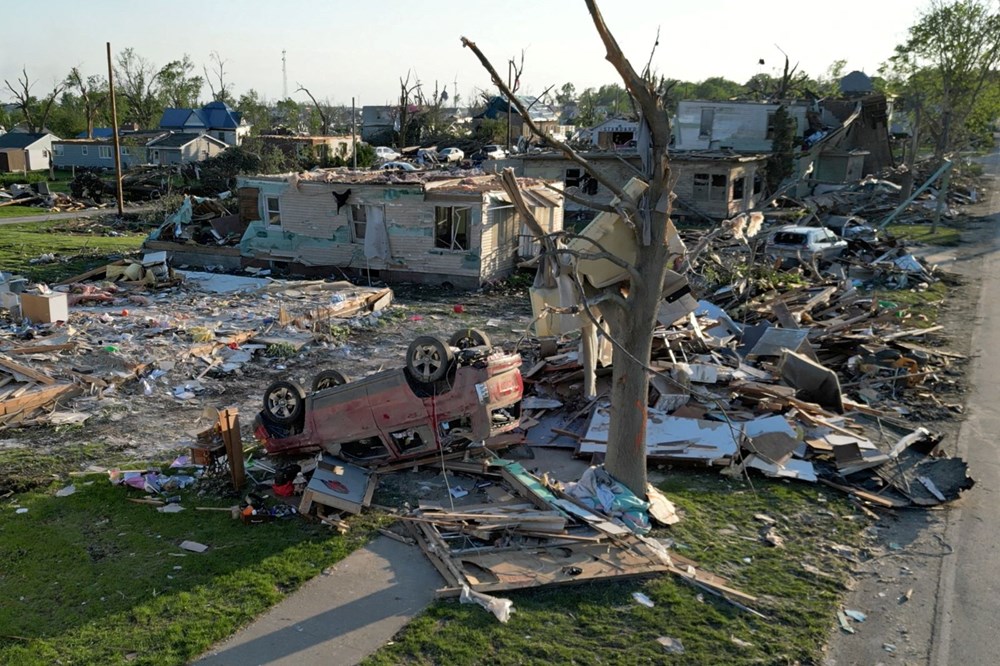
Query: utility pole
[
  {"x": 114, "y": 136},
  {"x": 510, "y": 64},
  {"x": 284, "y": 76},
  {"x": 354, "y": 137}
]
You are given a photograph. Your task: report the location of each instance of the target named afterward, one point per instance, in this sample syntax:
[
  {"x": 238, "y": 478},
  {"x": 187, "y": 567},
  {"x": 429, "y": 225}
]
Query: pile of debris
[
  {"x": 536, "y": 533},
  {"x": 201, "y": 221},
  {"x": 39, "y": 195},
  {"x": 808, "y": 374},
  {"x": 145, "y": 321}
]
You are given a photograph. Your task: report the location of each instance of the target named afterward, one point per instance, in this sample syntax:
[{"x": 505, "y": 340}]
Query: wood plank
[
  {"x": 38, "y": 398},
  {"x": 25, "y": 371},
  {"x": 887, "y": 502},
  {"x": 40, "y": 349}
]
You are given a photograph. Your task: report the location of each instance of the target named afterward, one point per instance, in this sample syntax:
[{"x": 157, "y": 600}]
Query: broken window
[
  {"x": 451, "y": 227},
  {"x": 707, "y": 120},
  {"x": 758, "y": 183},
  {"x": 273, "y": 211},
  {"x": 359, "y": 222},
  {"x": 573, "y": 177},
  {"x": 738, "y": 187},
  {"x": 710, "y": 187},
  {"x": 505, "y": 223},
  {"x": 577, "y": 178}
]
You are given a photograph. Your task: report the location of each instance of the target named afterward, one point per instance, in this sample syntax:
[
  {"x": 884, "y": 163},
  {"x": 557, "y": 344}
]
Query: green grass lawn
[
  {"x": 78, "y": 247},
  {"x": 94, "y": 579},
  {"x": 947, "y": 235},
  {"x": 20, "y": 211},
  {"x": 599, "y": 623}
]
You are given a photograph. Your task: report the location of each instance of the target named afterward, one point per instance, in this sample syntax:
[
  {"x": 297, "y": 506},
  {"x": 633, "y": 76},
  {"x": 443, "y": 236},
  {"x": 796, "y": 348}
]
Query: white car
[
  {"x": 386, "y": 153},
  {"x": 398, "y": 166},
  {"x": 804, "y": 244},
  {"x": 494, "y": 152},
  {"x": 451, "y": 155}
]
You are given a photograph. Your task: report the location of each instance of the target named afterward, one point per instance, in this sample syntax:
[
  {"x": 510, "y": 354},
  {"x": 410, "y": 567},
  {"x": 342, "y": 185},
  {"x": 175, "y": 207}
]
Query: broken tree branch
[{"x": 584, "y": 201}]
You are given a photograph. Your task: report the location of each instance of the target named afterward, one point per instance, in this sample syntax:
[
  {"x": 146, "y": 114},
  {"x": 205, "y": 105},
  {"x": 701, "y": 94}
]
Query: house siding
[
  {"x": 313, "y": 233},
  {"x": 741, "y": 126}
]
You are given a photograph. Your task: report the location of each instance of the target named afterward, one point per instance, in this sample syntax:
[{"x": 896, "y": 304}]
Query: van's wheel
[
  {"x": 284, "y": 402},
  {"x": 469, "y": 337},
  {"x": 428, "y": 359},
  {"x": 328, "y": 379}
]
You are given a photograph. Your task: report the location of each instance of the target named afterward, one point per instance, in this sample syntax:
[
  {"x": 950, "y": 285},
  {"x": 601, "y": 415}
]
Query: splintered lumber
[
  {"x": 25, "y": 371},
  {"x": 40, "y": 349},
  {"x": 37, "y": 398},
  {"x": 569, "y": 564},
  {"x": 886, "y": 502}
]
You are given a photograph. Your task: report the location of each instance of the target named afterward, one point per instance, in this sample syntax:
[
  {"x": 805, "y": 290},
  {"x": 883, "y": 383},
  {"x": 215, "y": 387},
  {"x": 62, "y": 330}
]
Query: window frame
[
  {"x": 85, "y": 150},
  {"x": 707, "y": 188},
  {"x": 58, "y": 149},
  {"x": 451, "y": 216},
  {"x": 273, "y": 217},
  {"x": 104, "y": 152},
  {"x": 353, "y": 221}
]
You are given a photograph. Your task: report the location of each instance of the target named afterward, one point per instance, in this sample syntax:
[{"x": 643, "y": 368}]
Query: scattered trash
[
  {"x": 855, "y": 615},
  {"x": 501, "y": 608},
  {"x": 671, "y": 645},
  {"x": 67, "y": 491},
  {"x": 642, "y": 599},
  {"x": 194, "y": 546}
]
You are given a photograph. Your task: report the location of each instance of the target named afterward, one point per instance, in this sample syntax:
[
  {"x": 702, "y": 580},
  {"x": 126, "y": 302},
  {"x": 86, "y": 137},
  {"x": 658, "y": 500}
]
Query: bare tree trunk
[{"x": 631, "y": 319}]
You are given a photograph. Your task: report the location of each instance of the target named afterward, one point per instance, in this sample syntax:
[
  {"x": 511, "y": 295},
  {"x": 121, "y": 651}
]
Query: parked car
[
  {"x": 386, "y": 153},
  {"x": 451, "y": 155},
  {"x": 804, "y": 244},
  {"x": 448, "y": 395},
  {"x": 398, "y": 166},
  {"x": 494, "y": 152}
]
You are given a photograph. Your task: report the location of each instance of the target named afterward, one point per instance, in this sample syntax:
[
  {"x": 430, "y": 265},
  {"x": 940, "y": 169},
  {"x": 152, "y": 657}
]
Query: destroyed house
[
  {"x": 319, "y": 148},
  {"x": 414, "y": 228},
  {"x": 707, "y": 183},
  {"x": 739, "y": 126}
]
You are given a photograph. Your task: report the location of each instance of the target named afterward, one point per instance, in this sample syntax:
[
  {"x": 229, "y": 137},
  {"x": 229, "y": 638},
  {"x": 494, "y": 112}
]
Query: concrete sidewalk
[{"x": 339, "y": 618}]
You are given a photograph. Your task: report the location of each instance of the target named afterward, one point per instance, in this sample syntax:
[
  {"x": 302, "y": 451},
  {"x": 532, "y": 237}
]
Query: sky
[{"x": 341, "y": 50}]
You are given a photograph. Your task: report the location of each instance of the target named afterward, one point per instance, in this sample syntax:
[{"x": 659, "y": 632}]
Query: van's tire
[
  {"x": 285, "y": 402},
  {"x": 328, "y": 379},
  {"x": 469, "y": 337},
  {"x": 428, "y": 359}
]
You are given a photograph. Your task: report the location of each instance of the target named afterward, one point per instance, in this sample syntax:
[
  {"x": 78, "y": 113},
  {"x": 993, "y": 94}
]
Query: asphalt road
[
  {"x": 966, "y": 621},
  {"x": 932, "y": 596}
]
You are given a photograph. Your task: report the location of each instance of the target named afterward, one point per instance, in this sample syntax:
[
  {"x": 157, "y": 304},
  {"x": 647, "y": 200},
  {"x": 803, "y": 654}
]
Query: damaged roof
[{"x": 470, "y": 181}]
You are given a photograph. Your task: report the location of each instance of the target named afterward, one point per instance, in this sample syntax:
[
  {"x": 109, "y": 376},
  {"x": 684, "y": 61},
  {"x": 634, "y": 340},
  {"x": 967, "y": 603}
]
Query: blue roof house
[{"x": 217, "y": 120}]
